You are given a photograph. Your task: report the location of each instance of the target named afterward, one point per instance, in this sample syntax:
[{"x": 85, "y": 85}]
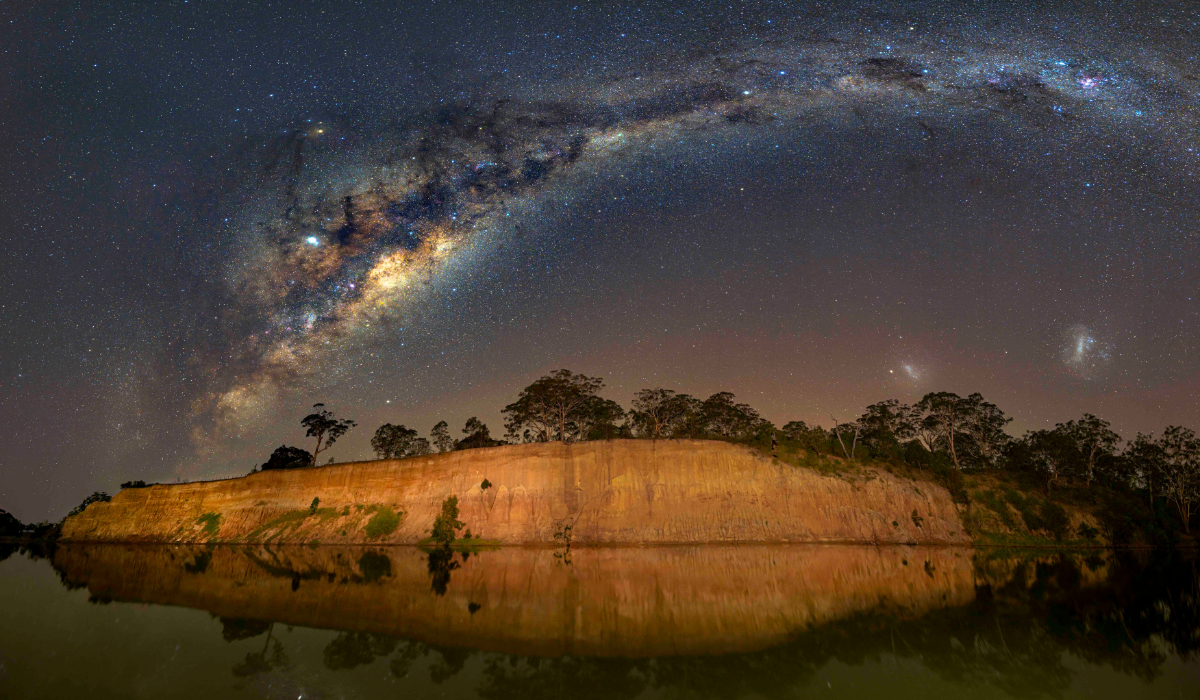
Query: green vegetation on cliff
[
  {"x": 382, "y": 523},
  {"x": 211, "y": 522}
]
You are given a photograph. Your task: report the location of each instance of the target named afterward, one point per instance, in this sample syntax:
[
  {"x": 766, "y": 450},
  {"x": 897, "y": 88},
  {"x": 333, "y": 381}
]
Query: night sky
[{"x": 216, "y": 214}]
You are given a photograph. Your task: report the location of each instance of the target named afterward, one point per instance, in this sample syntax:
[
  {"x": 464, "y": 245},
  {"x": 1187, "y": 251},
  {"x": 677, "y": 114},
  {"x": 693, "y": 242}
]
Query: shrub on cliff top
[
  {"x": 383, "y": 523},
  {"x": 97, "y": 497},
  {"x": 285, "y": 457}
]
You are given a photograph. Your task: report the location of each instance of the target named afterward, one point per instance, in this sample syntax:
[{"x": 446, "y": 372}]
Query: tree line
[{"x": 943, "y": 432}]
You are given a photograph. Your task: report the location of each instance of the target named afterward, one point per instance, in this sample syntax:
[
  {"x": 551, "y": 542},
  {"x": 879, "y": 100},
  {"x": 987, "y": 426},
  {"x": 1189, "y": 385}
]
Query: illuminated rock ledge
[{"x": 608, "y": 492}]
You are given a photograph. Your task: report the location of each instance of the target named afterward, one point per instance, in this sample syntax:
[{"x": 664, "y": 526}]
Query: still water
[{"x": 823, "y": 621}]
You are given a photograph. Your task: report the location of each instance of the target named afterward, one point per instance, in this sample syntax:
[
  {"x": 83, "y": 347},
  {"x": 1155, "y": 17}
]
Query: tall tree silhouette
[{"x": 325, "y": 427}]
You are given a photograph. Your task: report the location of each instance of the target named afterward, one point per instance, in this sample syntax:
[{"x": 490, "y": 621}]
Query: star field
[{"x": 219, "y": 215}]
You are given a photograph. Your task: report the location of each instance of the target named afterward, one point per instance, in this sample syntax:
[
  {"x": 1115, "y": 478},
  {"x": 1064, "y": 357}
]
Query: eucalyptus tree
[
  {"x": 1093, "y": 439},
  {"x": 983, "y": 422},
  {"x": 722, "y": 417},
  {"x": 1050, "y": 454},
  {"x": 325, "y": 427},
  {"x": 545, "y": 409},
  {"x": 941, "y": 419},
  {"x": 1180, "y": 452},
  {"x": 440, "y": 437},
  {"x": 477, "y": 435},
  {"x": 1145, "y": 463},
  {"x": 656, "y": 411},
  {"x": 397, "y": 441},
  {"x": 597, "y": 420}
]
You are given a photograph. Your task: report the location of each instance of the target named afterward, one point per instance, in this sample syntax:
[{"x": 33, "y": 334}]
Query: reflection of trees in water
[
  {"x": 261, "y": 661},
  {"x": 40, "y": 549},
  {"x": 1013, "y": 637},
  {"x": 353, "y": 649},
  {"x": 199, "y": 563},
  {"x": 35, "y": 549},
  {"x": 1130, "y": 612},
  {"x": 236, "y": 628},
  {"x": 441, "y": 563},
  {"x": 374, "y": 566},
  {"x": 567, "y": 676}
]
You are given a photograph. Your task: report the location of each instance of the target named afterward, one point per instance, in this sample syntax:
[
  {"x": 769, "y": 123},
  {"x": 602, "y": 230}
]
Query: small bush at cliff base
[
  {"x": 447, "y": 525},
  {"x": 1055, "y": 520},
  {"x": 383, "y": 523},
  {"x": 952, "y": 479}
]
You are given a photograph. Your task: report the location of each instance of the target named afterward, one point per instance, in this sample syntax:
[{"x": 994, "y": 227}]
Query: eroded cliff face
[
  {"x": 607, "y": 492},
  {"x": 613, "y": 601}
]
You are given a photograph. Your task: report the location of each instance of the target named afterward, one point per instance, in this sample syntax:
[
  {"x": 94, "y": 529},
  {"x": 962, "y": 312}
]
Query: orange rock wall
[{"x": 619, "y": 491}]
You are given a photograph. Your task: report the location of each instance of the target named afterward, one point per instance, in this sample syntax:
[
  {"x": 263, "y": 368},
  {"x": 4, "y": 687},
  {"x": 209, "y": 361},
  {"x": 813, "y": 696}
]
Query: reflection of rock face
[
  {"x": 632, "y": 491},
  {"x": 607, "y": 602}
]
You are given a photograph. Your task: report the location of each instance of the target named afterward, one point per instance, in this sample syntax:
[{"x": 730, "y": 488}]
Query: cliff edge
[{"x": 602, "y": 492}]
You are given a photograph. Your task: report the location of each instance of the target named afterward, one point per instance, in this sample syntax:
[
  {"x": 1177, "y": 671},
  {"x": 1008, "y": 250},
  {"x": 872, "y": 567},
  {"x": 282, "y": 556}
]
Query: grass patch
[
  {"x": 293, "y": 518},
  {"x": 211, "y": 523},
  {"x": 383, "y": 523},
  {"x": 995, "y": 503}
]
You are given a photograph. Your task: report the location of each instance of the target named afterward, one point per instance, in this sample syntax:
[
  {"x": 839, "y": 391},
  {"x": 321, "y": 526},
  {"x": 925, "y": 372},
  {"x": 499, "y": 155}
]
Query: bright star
[{"x": 312, "y": 240}]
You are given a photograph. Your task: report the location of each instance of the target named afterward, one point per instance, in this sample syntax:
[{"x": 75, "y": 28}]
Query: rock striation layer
[{"x": 602, "y": 492}]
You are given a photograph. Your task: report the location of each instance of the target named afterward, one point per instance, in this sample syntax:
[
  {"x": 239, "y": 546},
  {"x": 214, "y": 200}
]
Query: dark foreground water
[{"x": 665, "y": 622}]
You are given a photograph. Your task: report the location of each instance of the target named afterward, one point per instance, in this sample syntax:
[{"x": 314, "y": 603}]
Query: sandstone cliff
[
  {"x": 612, "y": 601},
  {"x": 620, "y": 491}
]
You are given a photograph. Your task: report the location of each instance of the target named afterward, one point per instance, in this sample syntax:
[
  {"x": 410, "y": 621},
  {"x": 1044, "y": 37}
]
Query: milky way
[
  {"x": 344, "y": 236},
  {"x": 220, "y": 213}
]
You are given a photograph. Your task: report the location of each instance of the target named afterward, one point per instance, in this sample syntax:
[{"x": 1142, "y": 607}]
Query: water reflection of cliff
[
  {"x": 1021, "y": 625},
  {"x": 607, "y": 602}
]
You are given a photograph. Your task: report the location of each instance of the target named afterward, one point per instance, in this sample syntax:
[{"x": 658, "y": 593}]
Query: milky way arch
[{"x": 342, "y": 229}]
